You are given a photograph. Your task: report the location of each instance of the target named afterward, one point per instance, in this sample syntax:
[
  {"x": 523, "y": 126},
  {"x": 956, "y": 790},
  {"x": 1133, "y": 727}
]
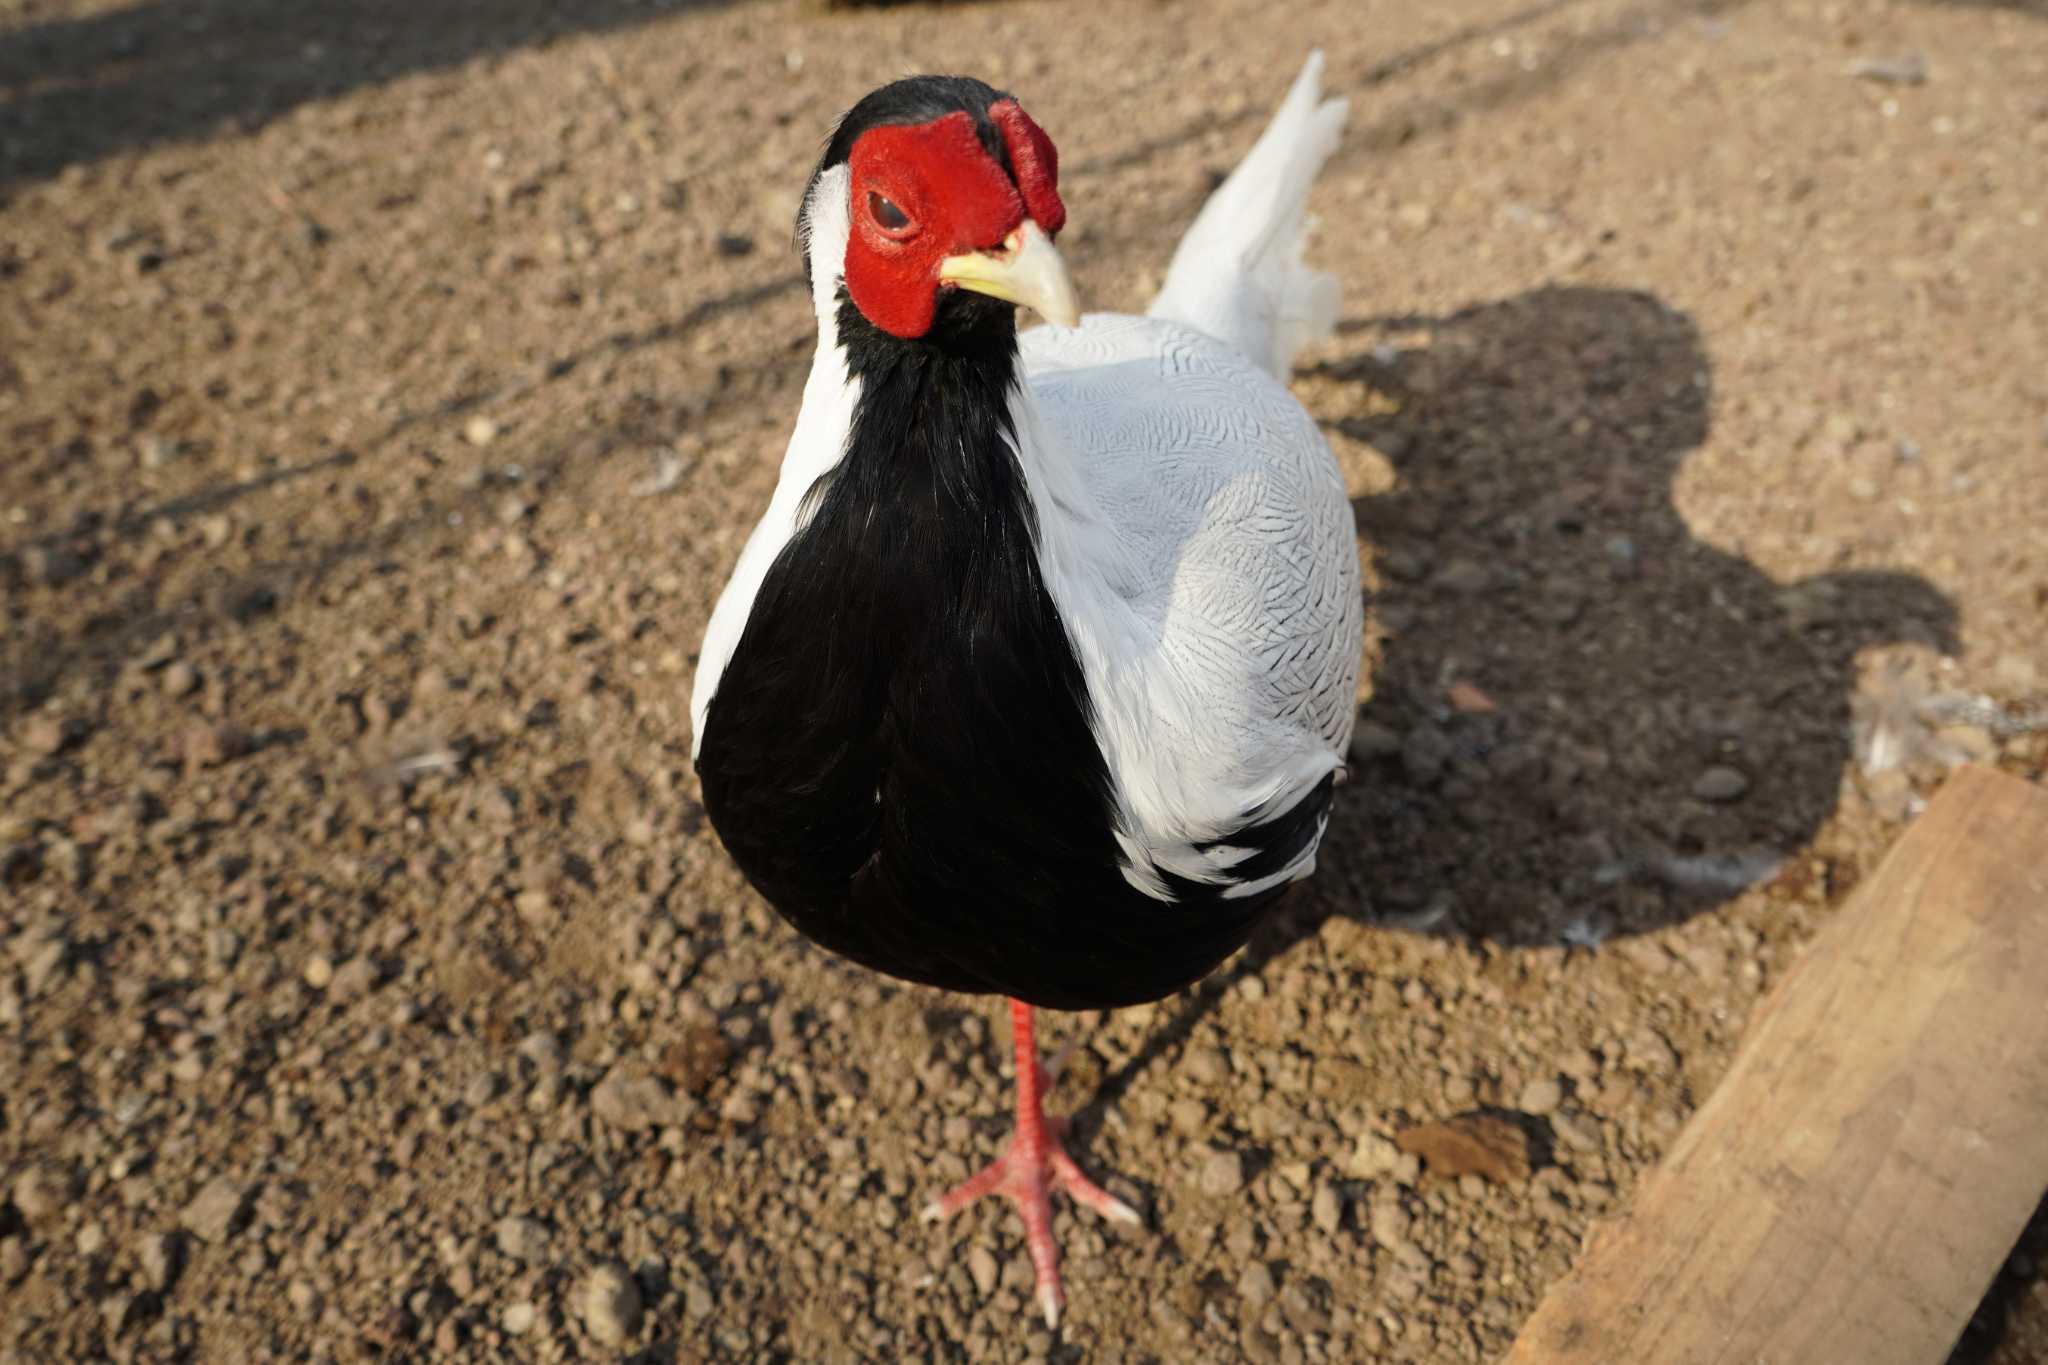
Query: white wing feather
[{"x": 1198, "y": 538}]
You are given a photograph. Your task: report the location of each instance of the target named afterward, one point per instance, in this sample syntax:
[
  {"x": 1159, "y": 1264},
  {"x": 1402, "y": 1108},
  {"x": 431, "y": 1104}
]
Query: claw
[{"x": 1030, "y": 1169}]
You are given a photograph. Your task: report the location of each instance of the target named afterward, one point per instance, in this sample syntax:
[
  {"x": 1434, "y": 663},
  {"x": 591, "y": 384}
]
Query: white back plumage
[{"x": 1198, "y": 538}]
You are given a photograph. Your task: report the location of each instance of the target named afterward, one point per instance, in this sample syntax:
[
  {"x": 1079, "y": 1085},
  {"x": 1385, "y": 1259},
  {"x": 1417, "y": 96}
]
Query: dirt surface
[{"x": 387, "y": 389}]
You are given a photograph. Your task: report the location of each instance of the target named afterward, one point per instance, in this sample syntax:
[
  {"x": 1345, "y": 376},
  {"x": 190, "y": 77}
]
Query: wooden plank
[{"x": 1851, "y": 1187}]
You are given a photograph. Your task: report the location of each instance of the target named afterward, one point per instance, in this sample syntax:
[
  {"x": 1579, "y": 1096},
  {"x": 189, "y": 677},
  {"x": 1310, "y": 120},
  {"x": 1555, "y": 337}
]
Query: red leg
[{"x": 1034, "y": 1165}]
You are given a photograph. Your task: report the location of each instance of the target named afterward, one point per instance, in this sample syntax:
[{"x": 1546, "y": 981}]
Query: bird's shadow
[{"x": 1584, "y": 721}]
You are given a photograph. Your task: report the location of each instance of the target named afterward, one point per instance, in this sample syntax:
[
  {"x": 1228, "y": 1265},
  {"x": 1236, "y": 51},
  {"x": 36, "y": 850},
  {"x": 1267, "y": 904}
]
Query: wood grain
[{"x": 1850, "y": 1188}]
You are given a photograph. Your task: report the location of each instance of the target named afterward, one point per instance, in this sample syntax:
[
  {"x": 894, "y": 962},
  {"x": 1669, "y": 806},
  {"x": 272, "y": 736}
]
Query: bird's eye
[{"x": 886, "y": 214}]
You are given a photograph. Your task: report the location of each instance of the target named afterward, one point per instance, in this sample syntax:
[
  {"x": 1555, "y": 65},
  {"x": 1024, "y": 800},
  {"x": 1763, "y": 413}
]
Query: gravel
[
  {"x": 295, "y": 669},
  {"x": 611, "y": 1305},
  {"x": 213, "y": 1212},
  {"x": 524, "y": 1239}
]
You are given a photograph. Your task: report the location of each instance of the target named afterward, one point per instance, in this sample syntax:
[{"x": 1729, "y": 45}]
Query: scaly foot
[{"x": 1030, "y": 1169}]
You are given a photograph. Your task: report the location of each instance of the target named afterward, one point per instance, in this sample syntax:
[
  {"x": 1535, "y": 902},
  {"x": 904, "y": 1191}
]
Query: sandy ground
[{"x": 387, "y": 389}]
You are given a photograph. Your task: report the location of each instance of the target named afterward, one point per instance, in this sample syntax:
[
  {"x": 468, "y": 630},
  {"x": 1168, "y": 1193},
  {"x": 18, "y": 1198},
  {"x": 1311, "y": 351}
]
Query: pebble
[
  {"x": 180, "y": 679},
  {"x": 1424, "y": 754},
  {"x": 48, "y": 735},
  {"x": 1541, "y": 1096},
  {"x": 13, "y": 1259},
  {"x": 1464, "y": 576},
  {"x": 611, "y": 1305},
  {"x": 1373, "y": 1155},
  {"x": 1255, "y": 1284},
  {"x": 1222, "y": 1174},
  {"x": 212, "y": 1213},
  {"x": 480, "y": 430},
  {"x": 982, "y": 1268},
  {"x": 318, "y": 972},
  {"x": 1370, "y": 743},
  {"x": 1327, "y": 1208},
  {"x": 39, "y": 1194},
  {"x": 517, "y": 1319},
  {"x": 354, "y": 978},
  {"x": 1621, "y": 556},
  {"x": 1720, "y": 783},
  {"x": 42, "y": 954},
  {"x": 1579, "y": 1134},
  {"x": 304, "y": 1299},
  {"x": 160, "y": 1257},
  {"x": 632, "y": 1102},
  {"x": 209, "y": 746},
  {"x": 1206, "y": 1066},
  {"x": 52, "y": 566},
  {"x": 523, "y": 1239},
  {"x": 544, "y": 1050}
]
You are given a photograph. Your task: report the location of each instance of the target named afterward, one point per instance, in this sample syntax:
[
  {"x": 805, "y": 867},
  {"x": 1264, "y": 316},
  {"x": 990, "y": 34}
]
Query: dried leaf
[{"x": 1484, "y": 1145}]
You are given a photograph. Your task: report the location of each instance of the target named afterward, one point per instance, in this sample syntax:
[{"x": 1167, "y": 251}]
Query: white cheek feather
[{"x": 815, "y": 448}]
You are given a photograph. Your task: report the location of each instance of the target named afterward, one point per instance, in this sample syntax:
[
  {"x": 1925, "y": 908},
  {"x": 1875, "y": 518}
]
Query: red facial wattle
[{"x": 920, "y": 193}]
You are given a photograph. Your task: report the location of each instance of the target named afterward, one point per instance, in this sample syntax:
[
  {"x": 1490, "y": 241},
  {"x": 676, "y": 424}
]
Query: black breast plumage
[{"x": 899, "y": 754}]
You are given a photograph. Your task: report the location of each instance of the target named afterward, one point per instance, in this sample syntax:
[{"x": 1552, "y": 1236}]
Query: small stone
[
  {"x": 1910, "y": 68},
  {"x": 180, "y": 679},
  {"x": 318, "y": 972},
  {"x": 1649, "y": 1053},
  {"x": 734, "y": 244},
  {"x": 13, "y": 1260},
  {"x": 209, "y": 746},
  {"x": 524, "y": 1239},
  {"x": 91, "y": 1239},
  {"x": 1370, "y": 743},
  {"x": 160, "y": 1257},
  {"x": 1327, "y": 1208},
  {"x": 480, "y": 430},
  {"x": 741, "y": 1108},
  {"x": 632, "y": 1101},
  {"x": 1205, "y": 1066},
  {"x": 517, "y": 1319},
  {"x": 42, "y": 954},
  {"x": 1463, "y": 576},
  {"x": 1541, "y": 1095},
  {"x": 482, "y": 1089},
  {"x": 40, "y": 1194},
  {"x": 1720, "y": 783},
  {"x": 1222, "y": 1174},
  {"x": 1373, "y": 1155},
  {"x": 213, "y": 1211},
  {"x": 544, "y": 1050},
  {"x": 1389, "y": 1226},
  {"x": 354, "y": 978},
  {"x": 1622, "y": 559},
  {"x": 983, "y": 1270},
  {"x": 1424, "y": 754},
  {"x": 1255, "y": 1284},
  {"x": 50, "y": 735},
  {"x": 52, "y": 566},
  {"x": 304, "y": 1299},
  {"x": 611, "y": 1305},
  {"x": 1579, "y": 1134}
]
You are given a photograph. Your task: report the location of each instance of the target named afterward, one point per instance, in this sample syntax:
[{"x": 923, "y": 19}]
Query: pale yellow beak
[{"x": 1026, "y": 269}]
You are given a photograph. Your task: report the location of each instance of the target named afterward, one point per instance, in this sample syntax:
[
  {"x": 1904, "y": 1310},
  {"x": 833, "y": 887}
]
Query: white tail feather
[{"x": 1238, "y": 273}]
